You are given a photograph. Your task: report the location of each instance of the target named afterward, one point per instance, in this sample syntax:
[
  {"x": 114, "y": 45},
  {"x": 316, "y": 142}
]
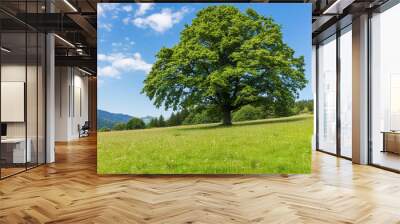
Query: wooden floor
[
  {"x": 387, "y": 159},
  {"x": 70, "y": 191},
  {"x": 5, "y": 172}
]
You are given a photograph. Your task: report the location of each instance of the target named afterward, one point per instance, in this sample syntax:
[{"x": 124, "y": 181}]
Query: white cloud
[
  {"x": 106, "y": 26},
  {"x": 135, "y": 63},
  {"x": 162, "y": 21},
  {"x": 143, "y": 8},
  {"x": 110, "y": 57},
  {"x": 116, "y": 44},
  {"x": 119, "y": 62},
  {"x": 103, "y": 8},
  {"x": 101, "y": 57},
  {"x": 108, "y": 71},
  {"x": 127, "y": 8},
  {"x": 126, "y": 20}
]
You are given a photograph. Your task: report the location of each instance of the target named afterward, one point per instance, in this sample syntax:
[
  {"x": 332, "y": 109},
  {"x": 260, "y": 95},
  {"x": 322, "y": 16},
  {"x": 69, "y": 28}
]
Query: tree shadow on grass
[{"x": 248, "y": 123}]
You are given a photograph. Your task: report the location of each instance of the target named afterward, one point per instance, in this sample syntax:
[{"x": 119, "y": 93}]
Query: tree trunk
[{"x": 227, "y": 118}]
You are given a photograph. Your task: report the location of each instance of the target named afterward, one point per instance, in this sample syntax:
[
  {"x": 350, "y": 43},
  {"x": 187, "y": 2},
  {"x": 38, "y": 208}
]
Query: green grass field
[{"x": 280, "y": 145}]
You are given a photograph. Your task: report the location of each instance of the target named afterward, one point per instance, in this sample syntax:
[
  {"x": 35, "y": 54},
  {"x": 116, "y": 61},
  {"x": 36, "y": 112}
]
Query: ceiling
[
  {"x": 73, "y": 21},
  {"x": 328, "y": 15}
]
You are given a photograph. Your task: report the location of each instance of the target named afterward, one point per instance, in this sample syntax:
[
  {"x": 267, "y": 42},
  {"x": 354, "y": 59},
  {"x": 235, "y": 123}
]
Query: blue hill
[{"x": 107, "y": 119}]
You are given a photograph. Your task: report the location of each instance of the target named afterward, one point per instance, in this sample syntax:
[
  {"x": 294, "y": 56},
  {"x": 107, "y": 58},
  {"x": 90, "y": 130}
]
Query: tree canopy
[
  {"x": 135, "y": 123},
  {"x": 226, "y": 59}
]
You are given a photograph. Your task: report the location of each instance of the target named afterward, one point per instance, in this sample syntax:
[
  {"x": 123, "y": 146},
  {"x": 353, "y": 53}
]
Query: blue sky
[{"x": 130, "y": 35}]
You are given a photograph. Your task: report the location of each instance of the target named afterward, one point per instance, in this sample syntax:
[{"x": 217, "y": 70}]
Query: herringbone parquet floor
[{"x": 70, "y": 191}]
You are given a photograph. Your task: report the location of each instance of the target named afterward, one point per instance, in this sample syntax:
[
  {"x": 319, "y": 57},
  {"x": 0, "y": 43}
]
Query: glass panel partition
[
  {"x": 13, "y": 94},
  {"x": 327, "y": 95},
  {"x": 346, "y": 92},
  {"x": 32, "y": 98},
  {"x": 385, "y": 89},
  {"x": 41, "y": 109},
  {"x": 22, "y": 77}
]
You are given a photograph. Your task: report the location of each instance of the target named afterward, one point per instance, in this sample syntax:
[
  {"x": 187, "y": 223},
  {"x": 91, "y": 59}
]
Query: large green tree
[{"x": 226, "y": 58}]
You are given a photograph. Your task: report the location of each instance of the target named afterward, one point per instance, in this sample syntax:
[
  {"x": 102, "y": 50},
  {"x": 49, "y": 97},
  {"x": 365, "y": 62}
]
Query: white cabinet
[{"x": 19, "y": 155}]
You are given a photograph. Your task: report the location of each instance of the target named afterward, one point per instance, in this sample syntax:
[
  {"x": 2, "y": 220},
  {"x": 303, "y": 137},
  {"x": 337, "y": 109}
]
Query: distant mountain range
[{"x": 107, "y": 119}]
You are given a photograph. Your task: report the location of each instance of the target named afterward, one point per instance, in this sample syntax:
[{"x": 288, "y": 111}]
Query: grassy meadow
[{"x": 281, "y": 145}]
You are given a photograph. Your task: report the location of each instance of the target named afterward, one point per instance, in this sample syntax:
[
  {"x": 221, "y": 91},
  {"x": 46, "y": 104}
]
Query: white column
[
  {"x": 360, "y": 90},
  {"x": 50, "y": 100}
]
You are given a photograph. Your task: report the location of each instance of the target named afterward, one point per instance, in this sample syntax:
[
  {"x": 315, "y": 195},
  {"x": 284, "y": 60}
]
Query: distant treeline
[{"x": 211, "y": 115}]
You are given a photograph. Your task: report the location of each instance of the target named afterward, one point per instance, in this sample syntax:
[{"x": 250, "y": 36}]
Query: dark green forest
[{"x": 209, "y": 115}]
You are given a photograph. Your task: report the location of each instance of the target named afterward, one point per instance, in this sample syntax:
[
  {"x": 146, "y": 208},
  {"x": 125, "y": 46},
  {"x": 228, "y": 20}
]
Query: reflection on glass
[
  {"x": 14, "y": 153},
  {"x": 346, "y": 92},
  {"x": 41, "y": 98},
  {"x": 22, "y": 90},
  {"x": 31, "y": 101},
  {"x": 394, "y": 102},
  {"x": 385, "y": 93},
  {"x": 327, "y": 95}
]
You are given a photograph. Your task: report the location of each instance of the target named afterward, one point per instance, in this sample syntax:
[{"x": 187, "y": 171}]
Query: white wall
[
  {"x": 71, "y": 94},
  {"x": 62, "y": 81},
  {"x": 80, "y": 110}
]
